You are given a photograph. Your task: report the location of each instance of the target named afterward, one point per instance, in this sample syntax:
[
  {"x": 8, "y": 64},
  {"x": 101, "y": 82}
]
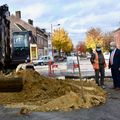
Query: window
[
  {"x": 41, "y": 41},
  {"x": 20, "y": 40}
]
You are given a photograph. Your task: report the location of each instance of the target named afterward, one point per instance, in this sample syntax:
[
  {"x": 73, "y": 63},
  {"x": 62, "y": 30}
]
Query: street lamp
[{"x": 51, "y": 37}]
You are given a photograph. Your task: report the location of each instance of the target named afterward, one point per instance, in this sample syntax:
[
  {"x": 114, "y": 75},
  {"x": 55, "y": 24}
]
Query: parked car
[
  {"x": 60, "y": 59},
  {"x": 44, "y": 60}
]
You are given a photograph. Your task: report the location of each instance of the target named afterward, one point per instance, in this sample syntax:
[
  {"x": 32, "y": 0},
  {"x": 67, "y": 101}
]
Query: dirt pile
[{"x": 46, "y": 94}]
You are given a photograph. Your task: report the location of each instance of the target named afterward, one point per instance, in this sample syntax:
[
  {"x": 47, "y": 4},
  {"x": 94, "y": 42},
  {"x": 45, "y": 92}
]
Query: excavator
[{"x": 13, "y": 52}]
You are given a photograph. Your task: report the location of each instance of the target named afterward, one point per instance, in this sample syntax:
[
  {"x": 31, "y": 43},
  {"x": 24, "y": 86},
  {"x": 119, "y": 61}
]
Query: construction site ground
[
  {"x": 63, "y": 70},
  {"x": 107, "y": 111}
]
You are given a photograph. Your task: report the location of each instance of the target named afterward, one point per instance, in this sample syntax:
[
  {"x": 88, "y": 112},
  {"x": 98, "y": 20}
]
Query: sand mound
[{"x": 46, "y": 94}]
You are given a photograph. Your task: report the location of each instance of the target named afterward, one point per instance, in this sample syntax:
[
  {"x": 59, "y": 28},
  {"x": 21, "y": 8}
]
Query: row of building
[{"x": 40, "y": 35}]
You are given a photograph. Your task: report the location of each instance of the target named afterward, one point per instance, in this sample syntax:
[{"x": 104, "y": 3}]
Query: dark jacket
[
  {"x": 100, "y": 58},
  {"x": 116, "y": 60},
  {"x": 92, "y": 57}
]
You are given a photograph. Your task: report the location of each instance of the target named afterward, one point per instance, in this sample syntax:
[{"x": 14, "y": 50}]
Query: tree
[
  {"x": 94, "y": 36},
  {"x": 61, "y": 41},
  {"x": 68, "y": 47},
  {"x": 108, "y": 37},
  {"x": 81, "y": 48}
]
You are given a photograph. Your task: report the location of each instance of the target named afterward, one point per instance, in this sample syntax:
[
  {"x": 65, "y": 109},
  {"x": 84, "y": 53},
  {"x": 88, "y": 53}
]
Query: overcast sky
[{"x": 75, "y": 16}]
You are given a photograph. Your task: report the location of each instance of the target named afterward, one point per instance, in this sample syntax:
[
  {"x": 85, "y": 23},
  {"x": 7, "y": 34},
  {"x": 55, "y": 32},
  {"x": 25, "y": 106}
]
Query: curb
[{"x": 77, "y": 77}]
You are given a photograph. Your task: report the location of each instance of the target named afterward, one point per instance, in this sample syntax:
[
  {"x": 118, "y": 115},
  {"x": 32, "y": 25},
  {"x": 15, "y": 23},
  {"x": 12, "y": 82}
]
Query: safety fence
[{"x": 55, "y": 68}]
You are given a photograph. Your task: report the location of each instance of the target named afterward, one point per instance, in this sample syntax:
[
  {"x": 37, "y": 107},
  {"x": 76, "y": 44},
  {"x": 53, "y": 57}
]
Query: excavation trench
[{"x": 41, "y": 93}]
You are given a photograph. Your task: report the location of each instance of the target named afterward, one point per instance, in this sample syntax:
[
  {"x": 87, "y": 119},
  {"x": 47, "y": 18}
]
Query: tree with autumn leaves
[
  {"x": 61, "y": 41},
  {"x": 81, "y": 47},
  {"x": 108, "y": 37},
  {"x": 95, "y": 36}
]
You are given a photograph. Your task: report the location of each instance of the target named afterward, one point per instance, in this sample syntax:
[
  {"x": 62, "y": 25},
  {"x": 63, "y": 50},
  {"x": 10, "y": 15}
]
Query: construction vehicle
[
  {"x": 20, "y": 47},
  {"x": 4, "y": 37},
  {"x": 13, "y": 52}
]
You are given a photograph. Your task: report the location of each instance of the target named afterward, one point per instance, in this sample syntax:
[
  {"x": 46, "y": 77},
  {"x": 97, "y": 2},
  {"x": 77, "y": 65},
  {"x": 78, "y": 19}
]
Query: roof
[
  {"x": 21, "y": 27},
  {"x": 21, "y": 23},
  {"x": 116, "y": 30}
]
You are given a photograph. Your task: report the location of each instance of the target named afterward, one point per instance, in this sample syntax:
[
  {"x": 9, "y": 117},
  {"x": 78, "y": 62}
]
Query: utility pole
[
  {"x": 51, "y": 38},
  {"x": 51, "y": 41}
]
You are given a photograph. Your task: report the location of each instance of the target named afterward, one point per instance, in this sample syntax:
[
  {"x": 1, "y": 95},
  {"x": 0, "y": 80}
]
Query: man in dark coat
[{"x": 114, "y": 64}]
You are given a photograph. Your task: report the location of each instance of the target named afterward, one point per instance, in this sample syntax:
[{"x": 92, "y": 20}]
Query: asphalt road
[{"x": 108, "y": 111}]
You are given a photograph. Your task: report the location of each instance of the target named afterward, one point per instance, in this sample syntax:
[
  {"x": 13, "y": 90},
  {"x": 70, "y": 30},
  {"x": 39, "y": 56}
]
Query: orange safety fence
[{"x": 52, "y": 67}]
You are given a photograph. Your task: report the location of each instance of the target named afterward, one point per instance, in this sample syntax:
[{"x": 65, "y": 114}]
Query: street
[{"x": 85, "y": 66}]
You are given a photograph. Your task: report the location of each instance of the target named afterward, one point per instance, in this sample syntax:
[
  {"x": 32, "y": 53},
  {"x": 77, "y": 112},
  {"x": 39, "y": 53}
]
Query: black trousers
[
  {"x": 116, "y": 77},
  {"x": 100, "y": 79}
]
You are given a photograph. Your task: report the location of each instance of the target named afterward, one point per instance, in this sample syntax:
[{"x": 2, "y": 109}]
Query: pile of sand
[{"x": 46, "y": 94}]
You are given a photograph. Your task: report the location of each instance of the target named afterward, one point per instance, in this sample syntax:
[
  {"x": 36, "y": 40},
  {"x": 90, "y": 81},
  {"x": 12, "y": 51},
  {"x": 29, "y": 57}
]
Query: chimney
[
  {"x": 18, "y": 14},
  {"x": 30, "y": 21}
]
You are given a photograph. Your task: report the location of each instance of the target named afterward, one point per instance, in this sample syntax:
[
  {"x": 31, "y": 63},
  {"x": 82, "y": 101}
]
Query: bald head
[{"x": 113, "y": 44}]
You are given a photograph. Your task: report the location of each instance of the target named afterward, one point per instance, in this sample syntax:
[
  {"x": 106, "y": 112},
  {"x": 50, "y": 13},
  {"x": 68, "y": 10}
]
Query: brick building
[
  {"x": 116, "y": 35},
  {"x": 40, "y": 35}
]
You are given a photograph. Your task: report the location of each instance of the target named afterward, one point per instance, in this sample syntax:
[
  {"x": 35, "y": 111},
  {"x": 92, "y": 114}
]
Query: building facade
[
  {"x": 39, "y": 35},
  {"x": 116, "y": 35},
  {"x": 42, "y": 41}
]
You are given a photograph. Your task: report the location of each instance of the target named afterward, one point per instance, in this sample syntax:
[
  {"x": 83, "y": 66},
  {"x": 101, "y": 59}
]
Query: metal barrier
[
  {"x": 75, "y": 65},
  {"x": 52, "y": 67}
]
